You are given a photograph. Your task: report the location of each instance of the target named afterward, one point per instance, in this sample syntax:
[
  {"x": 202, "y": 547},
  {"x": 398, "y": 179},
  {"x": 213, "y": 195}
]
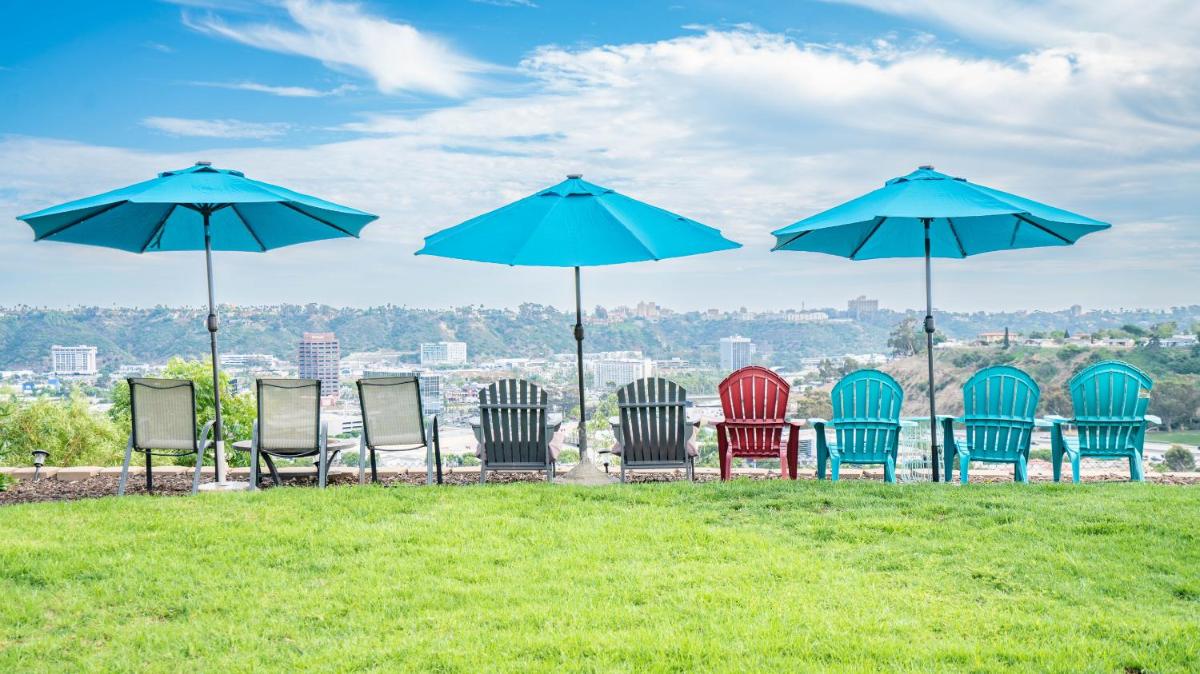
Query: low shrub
[{"x": 1179, "y": 459}]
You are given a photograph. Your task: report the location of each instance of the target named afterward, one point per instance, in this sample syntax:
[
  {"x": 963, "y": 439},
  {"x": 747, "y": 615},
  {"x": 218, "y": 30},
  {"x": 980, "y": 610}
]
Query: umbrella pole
[
  {"x": 218, "y": 429},
  {"x": 583, "y": 455},
  {"x": 933, "y": 438}
]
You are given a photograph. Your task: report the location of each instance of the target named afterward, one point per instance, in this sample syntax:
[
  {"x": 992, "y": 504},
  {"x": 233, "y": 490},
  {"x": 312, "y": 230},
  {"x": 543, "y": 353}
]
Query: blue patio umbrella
[
  {"x": 930, "y": 214},
  {"x": 575, "y": 224},
  {"x": 198, "y": 208}
]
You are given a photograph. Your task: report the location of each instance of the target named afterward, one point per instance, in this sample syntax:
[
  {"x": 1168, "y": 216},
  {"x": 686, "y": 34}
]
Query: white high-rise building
[
  {"x": 612, "y": 372},
  {"x": 321, "y": 358},
  {"x": 736, "y": 352},
  {"x": 78, "y": 360},
  {"x": 443, "y": 353}
]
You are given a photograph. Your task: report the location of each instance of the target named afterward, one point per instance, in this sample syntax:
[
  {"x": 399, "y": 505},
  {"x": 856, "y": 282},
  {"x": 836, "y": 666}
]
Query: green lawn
[
  {"x": 1181, "y": 437},
  {"x": 673, "y": 577}
]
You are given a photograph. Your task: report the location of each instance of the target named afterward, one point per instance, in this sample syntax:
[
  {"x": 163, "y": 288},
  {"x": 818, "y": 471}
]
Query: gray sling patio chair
[
  {"x": 514, "y": 435},
  {"x": 289, "y": 426},
  {"x": 394, "y": 421},
  {"x": 653, "y": 428},
  {"x": 163, "y": 420}
]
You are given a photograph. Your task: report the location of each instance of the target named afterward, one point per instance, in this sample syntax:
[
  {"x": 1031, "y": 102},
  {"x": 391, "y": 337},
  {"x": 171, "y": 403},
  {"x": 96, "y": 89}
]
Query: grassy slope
[
  {"x": 746, "y": 576},
  {"x": 1179, "y": 437}
]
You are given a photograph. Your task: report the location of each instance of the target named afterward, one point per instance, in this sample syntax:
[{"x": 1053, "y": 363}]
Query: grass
[
  {"x": 1177, "y": 437},
  {"x": 674, "y": 577}
]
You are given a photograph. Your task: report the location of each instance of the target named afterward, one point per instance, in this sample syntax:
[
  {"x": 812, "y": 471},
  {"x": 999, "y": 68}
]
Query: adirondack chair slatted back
[
  {"x": 289, "y": 416},
  {"x": 512, "y": 416},
  {"x": 866, "y": 414},
  {"x": 999, "y": 404},
  {"x": 653, "y": 421},
  {"x": 1110, "y": 401},
  {"x": 758, "y": 398}
]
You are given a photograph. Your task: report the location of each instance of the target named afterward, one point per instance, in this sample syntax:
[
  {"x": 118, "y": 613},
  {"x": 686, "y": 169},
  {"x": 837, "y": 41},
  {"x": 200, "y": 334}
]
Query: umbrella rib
[
  {"x": 250, "y": 229},
  {"x": 779, "y": 246},
  {"x": 61, "y": 228},
  {"x": 868, "y": 236},
  {"x": 1056, "y": 235},
  {"x": 957, "y": 239},
  {"x": 320, "y": 220},
  {"x": 636, "y": 237},
  {"x": 158, "y": 227}
]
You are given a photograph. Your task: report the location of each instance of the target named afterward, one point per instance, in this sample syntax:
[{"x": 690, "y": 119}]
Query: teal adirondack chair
[
  {"x": 1110, "y": 400},
  {"x": 999, "y": 403},
  {"x": 866, "y": 422}
]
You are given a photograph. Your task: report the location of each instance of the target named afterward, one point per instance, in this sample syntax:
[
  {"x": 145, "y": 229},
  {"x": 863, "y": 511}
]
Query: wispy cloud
[
  {"x": 216, "y": 128},
  {"x": 396, "y": 56},
  {"x": 507, "y": 3},
  {"x": 284, "y": 91},
  {"x": 159, "y": 47}
]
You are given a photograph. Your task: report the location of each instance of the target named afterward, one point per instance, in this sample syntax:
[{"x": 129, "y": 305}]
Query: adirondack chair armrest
[
  {"x": 909, "y": 423},
  {"x": 1055, "y": 419},
  {"x": 1039, "y": 422},
  {"x": 1154, "y": 419},
  {"x": 814, "y": 421}
]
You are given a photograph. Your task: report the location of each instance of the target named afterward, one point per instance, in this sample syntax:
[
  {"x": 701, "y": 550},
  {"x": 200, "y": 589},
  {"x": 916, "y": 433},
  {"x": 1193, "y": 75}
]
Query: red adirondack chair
[{"x": 754, "y": 400}]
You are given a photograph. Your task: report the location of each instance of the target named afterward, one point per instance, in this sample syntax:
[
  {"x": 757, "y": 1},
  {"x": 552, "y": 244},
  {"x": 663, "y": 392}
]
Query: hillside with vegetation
[{"x": 137, "y": 335}]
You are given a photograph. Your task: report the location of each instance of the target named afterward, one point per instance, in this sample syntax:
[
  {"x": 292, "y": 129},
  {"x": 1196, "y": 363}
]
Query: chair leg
[
  {"x": 428, "y": 465},
  {"x": 948, "y": 467},
  {"x": 1021, "y": 471},
  {"x": 889, "y": 471},
  {"x": 691, "y": 469},
  {"x": 125, "y": 467},
  {"x": 374, "y": 468},
  {"x": 550, "y": 473},
  {"x": 362, "y": 459},
  {"x": 725, "y": 460},
  {"x": 149, "y": 475},
  {"x": 254, "y": 466},
  {"x": 835, "y": 465},
  {"x": 964, "y": 468},
  {"x": 271, "y": 467},
  {"x": 482, "y": 473},
  {"x": 1075, "y": 468},
  {"x": 1135, "y": 467},
  {"x": 622, "y": 472},
  {"x": 822, "y": 459},
  {"x": 196, "y": 475},
  {"x": 1056, "y": 457},
  {"x": 323, "y": 467}
]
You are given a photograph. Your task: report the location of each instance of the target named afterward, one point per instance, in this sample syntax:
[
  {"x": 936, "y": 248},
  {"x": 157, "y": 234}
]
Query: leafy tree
[
  {"x": 1179, "y": 459},
  {"x": 1176, "y": 401},
  {"x": 904, "y": 339},
  {"x": 1133, "y": 330},
  {"x": 813, "y": 403}
]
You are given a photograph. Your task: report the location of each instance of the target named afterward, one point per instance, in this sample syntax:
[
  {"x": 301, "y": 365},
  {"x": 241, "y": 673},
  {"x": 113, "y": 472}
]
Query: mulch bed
[{"x": 180, "y": 485}]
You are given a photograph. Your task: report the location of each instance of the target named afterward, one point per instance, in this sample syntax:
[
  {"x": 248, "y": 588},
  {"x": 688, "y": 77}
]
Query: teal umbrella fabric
[
  {"x": 198, "y": 208},
  {"x": 167, "y": 213},
  {"x": 576, "y": 224},
  {"x": 930, "y": 214},
  {"x": 964, "y": 219}
]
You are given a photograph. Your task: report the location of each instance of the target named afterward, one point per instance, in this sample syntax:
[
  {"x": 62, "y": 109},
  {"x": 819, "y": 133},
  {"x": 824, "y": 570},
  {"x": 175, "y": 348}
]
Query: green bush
[
  {"x": 1040, "y": 454},
  {"x": 1179, "y": 459},
  {"x": 67, "y": 429},
  {"x": 5, "y": 480}
]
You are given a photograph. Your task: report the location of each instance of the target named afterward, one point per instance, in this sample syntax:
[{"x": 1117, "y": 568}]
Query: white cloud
[
  {"x": 397, "y": 56},
  {"x": 216, "y": 128},
  {"x": 284, "y": 91}
]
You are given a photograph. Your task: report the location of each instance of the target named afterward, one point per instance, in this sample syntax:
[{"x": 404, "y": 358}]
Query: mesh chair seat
[
  {"x": 394, "y": 421},
  {"x": 164, "y": 415},
  {"x": 289, "y": 416}
]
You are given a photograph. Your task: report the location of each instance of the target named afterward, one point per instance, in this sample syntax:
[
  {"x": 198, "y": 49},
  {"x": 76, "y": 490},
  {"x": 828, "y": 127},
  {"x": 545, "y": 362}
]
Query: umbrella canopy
[
  {"x": 198, "y": 208},
  {"x": 166, "y": 214},
  {"x": 576, "y": 224},
  {"x": 964, "y": 219},
  {"x": 929, "y": 214}
]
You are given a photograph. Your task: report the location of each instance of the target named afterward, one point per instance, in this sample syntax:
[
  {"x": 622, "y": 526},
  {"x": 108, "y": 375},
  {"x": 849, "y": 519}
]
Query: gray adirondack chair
[
  {"x": 653, "y": 426},
  {"x": 394, "y": 421},
  {"x": 1110, "y": 400},
  {"x": 163, "y": 420},
  {"x": 514, "y": 434},
  {"x": 999, "y": 403},
  {"x": 289, "y": 426}
]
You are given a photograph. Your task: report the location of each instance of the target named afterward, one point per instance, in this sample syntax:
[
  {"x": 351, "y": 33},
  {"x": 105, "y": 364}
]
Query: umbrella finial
[
  {"x": 574, "y": 176},
  {"x": 203, "y": 163},
  {"x": 925, "y": 167}
]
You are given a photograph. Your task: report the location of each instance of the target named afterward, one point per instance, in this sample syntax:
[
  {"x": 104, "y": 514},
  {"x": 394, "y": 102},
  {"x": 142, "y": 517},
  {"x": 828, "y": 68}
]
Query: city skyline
[{"x": 746, "y": 116}]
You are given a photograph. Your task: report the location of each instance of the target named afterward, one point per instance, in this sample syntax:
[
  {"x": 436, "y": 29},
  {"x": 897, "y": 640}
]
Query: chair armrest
[
  {"x": 204, "y": 439},
  {"x": 1154, "y": 419},
  {"x": 1055, "y": 419},
  {"x": 1042, "y": 423},
  {"x": 813, "y": 421},
  {"x": 909, "y": 423},
  {"x": 797, "y": 422}
]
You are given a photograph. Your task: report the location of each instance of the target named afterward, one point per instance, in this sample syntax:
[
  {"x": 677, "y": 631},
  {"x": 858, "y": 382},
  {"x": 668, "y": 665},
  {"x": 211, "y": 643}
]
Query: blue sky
[{"x": 743, "y": 115}]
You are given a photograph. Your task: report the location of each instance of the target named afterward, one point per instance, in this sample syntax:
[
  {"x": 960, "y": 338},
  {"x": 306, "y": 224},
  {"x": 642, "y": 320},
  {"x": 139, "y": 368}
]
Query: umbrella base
[
  {"x": 225, "y": 486},
  {"x": 585, "y": 473}
]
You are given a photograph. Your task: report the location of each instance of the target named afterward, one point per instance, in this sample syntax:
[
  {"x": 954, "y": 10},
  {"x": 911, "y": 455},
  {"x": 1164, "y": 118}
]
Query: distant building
[
  {"x": 443, "y": 353},
  {"x": 736, "y": 352},
  {"x": 648, "y": 310},
  {"x": 248, "y": 360},
  {"x": 76, "y": 360},
  {"x": 994, "y": 337},
  {"x": 320, "y": 358},
  {"x": 1179, "y": 341},
  {"x": 432, "y": 389},
  {"x": 612, "y": 372},
  {"x": 805, "y": 316},
  {"x": 861, "y": 306}
]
